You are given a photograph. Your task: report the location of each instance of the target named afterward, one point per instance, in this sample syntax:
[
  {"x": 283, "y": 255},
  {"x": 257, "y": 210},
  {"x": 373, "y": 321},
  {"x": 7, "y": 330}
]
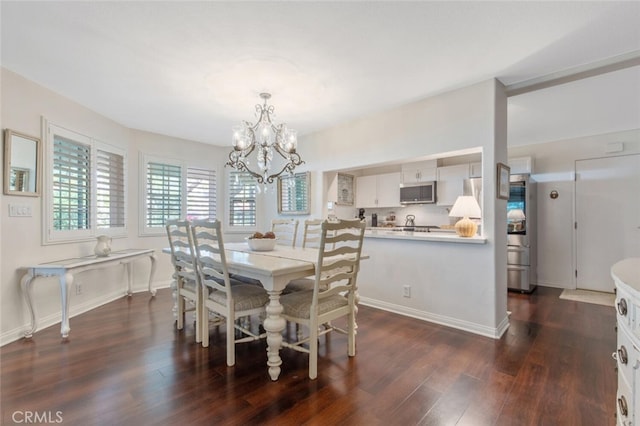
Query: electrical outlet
[
  {"x": 78, "y": 289},
  {"x": 406, "y": 291}
]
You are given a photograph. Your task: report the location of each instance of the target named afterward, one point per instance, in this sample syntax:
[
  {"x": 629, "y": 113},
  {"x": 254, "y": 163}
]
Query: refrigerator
[{"x": 521, "y": 234}]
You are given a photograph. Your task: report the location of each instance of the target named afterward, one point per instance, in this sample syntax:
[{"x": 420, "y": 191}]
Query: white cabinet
[
  {"x": 378, "y": 190},
  {"x": 450, "y": 183},
  {"x": 423, "y": 171},
  {"x": 625, "y": 275},
  {"x": 475, "y": 169},
  {"x": 521, "y": 165}
]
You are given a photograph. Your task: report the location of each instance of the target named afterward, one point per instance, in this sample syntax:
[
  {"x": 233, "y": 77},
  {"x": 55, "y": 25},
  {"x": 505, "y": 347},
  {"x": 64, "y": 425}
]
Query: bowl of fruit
[{"x": 262, "y": 242}]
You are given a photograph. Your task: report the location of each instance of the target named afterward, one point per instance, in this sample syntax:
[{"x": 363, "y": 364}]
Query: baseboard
[
  {"x": 494, "y": 333},
  {"x": 74, "y": 310}
]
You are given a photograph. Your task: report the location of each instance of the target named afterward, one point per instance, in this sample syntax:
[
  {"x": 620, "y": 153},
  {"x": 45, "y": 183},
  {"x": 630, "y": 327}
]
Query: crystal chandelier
[{"x": 264, "y": 138}]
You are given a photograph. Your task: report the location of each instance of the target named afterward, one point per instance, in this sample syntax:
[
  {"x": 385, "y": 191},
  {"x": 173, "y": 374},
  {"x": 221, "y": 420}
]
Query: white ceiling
[{"x": 194, "y": 69}]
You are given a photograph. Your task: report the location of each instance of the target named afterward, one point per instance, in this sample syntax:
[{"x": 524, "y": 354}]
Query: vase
[{"x": 103, "y": 248}]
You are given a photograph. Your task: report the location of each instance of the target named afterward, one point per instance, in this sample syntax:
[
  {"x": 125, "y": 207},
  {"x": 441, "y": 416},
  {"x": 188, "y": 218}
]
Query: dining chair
[
  {"x": 286, "y": 231},
  {"x": 310, "y": 239},
  {"x": 230, "y": 301},
  {"x": 184, "y": 276},
  {"x": 336, "y": 270}
]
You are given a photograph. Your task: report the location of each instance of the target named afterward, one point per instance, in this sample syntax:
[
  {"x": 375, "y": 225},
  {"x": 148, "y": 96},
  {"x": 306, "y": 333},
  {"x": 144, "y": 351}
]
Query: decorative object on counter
[
  {"x": 503, "y": 181},
  {"x": 103, "y": 248},
  {"x": 360, "y": 214},
  {"x": 374, "y": 220},
  {"x": 264, "y": 137},
  {"x": 553, "y": 194},
  {"x": 466, "y": 207},
  {"x": 410, "y": 220},
  {"x": 345, "y": 190},
  {"x": 515, "y": 220},
  {"x": 261, "y": 244}
]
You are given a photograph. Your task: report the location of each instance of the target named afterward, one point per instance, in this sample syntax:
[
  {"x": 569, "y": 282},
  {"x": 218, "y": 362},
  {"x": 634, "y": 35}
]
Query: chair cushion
[
  {"x": 245, "y": 280},
  {"x": 246, "y": 297},
  {"x": 301, "y": 284},
  {"x": 189, "y": 285},
  {"x": 298, "y": 304}
]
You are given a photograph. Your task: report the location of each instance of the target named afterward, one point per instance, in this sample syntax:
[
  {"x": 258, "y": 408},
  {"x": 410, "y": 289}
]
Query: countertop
[
  {"x": 627, "y": 272},
  {"x": 439, "y": 236}
]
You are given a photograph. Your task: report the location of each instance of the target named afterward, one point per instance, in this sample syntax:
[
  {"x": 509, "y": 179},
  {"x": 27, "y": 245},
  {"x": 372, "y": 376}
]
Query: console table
[{"x": 65, "y": 269}]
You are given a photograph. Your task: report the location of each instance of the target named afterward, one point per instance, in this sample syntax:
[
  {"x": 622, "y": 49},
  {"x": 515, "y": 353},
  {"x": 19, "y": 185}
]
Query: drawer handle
[
  {"x": 622, "y": 307},
  {"x": 622, "y": 354},
  {"x": 622, "y": 404}
]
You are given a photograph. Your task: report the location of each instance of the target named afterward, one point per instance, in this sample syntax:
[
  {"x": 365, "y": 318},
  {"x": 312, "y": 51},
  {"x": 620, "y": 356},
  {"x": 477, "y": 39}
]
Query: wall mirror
[
  {"x": 22, "y": 164},
  {"x": 293, "y": 193}
]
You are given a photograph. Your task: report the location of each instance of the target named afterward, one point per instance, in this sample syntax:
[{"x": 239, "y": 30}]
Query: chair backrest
[
  {"x": 286, "y": 231},
  {"x": 312, "y": 233},
  {"x": 210, "y": 257},
  {"x": 182, "y": 254},
  {"x": 338, "y": 259}
]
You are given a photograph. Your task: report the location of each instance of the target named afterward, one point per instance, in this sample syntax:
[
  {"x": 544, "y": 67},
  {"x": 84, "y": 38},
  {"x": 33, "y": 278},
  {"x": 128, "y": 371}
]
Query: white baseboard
[
  {"x": 471, "y": 327},
  {"x": 74, "y": 310}
]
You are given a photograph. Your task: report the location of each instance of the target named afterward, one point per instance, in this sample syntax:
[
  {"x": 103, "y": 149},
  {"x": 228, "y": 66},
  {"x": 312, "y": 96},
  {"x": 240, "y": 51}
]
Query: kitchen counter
[{"x": 439, "y": 236}]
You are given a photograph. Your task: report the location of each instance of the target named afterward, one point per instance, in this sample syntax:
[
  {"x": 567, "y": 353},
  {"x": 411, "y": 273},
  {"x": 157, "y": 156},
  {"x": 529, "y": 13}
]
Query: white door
[{"x": 607, "y": 218}]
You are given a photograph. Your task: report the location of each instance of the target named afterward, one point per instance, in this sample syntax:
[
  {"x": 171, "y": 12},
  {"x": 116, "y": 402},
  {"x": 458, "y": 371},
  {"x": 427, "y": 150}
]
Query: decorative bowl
[{"x": 261, "y": 244}]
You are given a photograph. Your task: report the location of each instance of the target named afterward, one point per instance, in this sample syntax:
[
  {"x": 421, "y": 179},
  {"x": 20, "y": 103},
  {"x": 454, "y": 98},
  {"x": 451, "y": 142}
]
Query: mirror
[{"x": 22, "y": 164}]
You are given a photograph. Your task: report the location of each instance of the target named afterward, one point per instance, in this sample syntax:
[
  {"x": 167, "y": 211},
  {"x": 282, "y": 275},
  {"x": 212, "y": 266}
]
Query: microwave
[{"x": 418, "y": 193}]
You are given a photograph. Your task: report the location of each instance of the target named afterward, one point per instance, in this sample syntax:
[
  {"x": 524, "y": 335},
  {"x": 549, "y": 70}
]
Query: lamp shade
[
  {"x": 465, "y": 206},
  {"x": 516, "y": 214}
]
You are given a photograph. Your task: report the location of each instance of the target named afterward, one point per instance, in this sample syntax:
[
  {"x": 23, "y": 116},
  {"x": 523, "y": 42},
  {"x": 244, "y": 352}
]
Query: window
[
  {"x": 85, "y": 189},
  {"x": 173, "y": 190},
  {"x": 242, "y": 200},
  {"x": 201, "y": 193},
  {"x": 293, "y": 194}
]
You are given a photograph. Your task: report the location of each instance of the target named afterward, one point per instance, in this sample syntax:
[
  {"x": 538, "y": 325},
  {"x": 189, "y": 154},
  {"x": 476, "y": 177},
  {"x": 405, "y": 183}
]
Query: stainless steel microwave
[{"x": 418, "y": 193}]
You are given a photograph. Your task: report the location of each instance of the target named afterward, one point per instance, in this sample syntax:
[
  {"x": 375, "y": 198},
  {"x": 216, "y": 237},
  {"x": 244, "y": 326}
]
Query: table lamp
[{"x": 465, "y": 207}]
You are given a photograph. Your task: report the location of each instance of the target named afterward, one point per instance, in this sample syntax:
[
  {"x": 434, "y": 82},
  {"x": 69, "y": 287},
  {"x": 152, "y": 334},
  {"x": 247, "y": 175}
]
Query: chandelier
[{"x": 264, "y": 137}]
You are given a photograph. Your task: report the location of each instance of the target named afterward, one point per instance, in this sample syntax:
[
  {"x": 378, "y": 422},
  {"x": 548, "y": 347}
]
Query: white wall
[
  {"x": 470, "y": 286},
  {"x": 554, "y": 167},
  {"x": 23, "y": 103}
]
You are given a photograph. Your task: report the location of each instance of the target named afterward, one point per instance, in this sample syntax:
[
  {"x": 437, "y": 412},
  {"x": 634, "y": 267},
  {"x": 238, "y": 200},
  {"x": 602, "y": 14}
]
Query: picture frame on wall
[
  {"x": 345, "y": 190},
  {"x": 503, "y": 181}
]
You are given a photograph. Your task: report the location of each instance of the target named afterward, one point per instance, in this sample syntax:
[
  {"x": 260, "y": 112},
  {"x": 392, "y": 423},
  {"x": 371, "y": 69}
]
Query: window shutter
[
  {"x": 110, "y": 210},
  {"x": 201, "y": 193},
  {"x": 242, "y": 199},
  {"x": 71, "y": 185},
  {"x": 164, "y": 194}
]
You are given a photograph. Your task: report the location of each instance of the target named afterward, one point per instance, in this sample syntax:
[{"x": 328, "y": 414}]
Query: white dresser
[{"x": 626, "y": 275}]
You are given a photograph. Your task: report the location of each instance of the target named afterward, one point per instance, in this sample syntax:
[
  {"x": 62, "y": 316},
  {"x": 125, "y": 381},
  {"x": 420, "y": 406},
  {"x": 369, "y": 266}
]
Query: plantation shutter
[
  {"x": 71, "y": 185},
  {"x": 201, "y": 193},
  {"x": 242, "y": 199},
  {"x": 110, "y": 209},
  {"x": 164, "y": 194}
]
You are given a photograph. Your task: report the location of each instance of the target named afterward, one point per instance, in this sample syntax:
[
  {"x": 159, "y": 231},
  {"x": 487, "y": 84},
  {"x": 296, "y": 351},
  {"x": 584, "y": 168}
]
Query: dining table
[{"x": 274, "y": 269}]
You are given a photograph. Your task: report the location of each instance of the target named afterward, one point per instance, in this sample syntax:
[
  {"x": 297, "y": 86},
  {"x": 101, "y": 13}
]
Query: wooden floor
[{"x": 125, "y": 364}]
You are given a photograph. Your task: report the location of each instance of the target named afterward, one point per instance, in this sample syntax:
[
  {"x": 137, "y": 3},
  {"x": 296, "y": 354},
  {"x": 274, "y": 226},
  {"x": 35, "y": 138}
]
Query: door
[{"x": 607, "y": 218}]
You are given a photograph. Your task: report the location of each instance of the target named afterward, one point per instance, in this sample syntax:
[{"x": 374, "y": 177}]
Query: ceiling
[{"x": 194, "y": 69}]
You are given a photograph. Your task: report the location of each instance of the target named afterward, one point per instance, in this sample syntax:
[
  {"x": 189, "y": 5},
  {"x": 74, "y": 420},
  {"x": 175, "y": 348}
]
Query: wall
[
  {"x": 467, "y": 119},
  {"x": 23, "y": 103},
  {"x": 554, "y": 167}
]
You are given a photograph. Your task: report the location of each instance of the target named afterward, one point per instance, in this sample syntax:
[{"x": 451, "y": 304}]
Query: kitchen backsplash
[{"x": 426, "y": 214}]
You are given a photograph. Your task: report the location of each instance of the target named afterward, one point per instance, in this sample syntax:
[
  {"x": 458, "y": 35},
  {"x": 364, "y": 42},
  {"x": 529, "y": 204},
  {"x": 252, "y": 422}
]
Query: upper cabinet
[
  {"x": 378, "y": 190},
  {"x": 423, "y": 171},
  {"x": 450, "y": 183},
  {"x": 475, "y": 169},
  {"x": 521, "y": 165}
]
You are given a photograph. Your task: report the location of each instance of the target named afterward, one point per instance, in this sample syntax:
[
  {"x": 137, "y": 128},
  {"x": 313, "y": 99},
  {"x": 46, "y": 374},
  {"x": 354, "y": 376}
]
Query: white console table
[{"x": 64, "y": 270}]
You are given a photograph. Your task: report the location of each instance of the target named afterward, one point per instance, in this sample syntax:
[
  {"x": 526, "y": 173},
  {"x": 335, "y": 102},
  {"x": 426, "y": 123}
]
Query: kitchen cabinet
[
  {"x": 423, "y": 171},
  {"x": 450, "y": 183},
  {"x": 475, "y": 169},
  {"x": 520, "y": 165},
  {"x": 378, "y": 190}
]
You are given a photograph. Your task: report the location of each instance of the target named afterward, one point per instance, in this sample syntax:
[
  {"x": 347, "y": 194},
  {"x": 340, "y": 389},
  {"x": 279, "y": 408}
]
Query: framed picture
[
  {"x": 294, "y": 193},
  {"x": 503, "y": 181},
  {"x": 345, "y": 190}
]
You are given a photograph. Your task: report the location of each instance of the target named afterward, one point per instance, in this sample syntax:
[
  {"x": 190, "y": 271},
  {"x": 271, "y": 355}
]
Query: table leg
[
  {"x": 129, "y": 278},
  {"x": 274, "y": 324},
  {"x": 151, "y": 275},
  {"x": 66, "y": 280},
  {"x": 25, "y": 283}
]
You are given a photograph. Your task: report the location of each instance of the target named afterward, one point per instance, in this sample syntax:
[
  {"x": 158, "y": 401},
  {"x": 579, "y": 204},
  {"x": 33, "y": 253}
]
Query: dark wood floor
[{"x": 125, "y": 364}]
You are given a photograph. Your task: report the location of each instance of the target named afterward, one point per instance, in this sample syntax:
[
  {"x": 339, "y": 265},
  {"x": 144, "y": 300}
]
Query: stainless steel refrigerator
[{"x": 521, "y": 234}]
